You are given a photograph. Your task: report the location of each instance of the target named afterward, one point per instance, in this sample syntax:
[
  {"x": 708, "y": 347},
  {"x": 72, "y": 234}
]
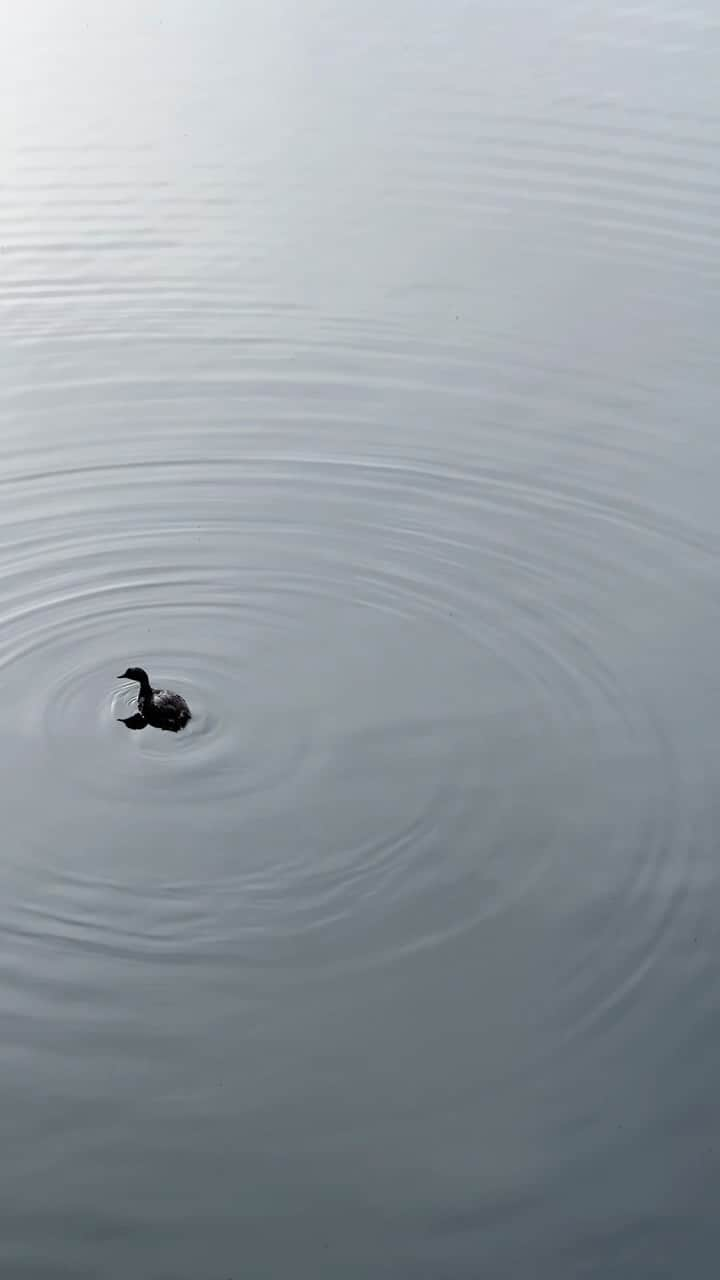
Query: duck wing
[{"x": 170, "y": 710}]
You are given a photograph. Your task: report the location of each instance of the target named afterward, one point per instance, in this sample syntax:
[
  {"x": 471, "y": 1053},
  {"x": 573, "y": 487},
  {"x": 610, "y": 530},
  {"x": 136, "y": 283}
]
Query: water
[{"x": 359, "y": 381}]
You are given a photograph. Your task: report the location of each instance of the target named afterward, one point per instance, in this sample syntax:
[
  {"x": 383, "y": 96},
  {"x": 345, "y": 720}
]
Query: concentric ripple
[{"x": 407, "y": 713}]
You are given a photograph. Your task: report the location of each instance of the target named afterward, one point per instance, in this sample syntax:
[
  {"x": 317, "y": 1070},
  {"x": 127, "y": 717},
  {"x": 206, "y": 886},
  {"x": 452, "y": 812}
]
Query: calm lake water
[{"x": 360, "y": 381}]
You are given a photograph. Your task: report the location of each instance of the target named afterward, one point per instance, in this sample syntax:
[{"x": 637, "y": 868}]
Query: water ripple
[{"x": 338, "y": 622}]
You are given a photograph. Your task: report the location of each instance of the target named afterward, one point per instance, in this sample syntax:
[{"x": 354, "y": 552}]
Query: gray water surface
[{"x": 360, "y": 381}]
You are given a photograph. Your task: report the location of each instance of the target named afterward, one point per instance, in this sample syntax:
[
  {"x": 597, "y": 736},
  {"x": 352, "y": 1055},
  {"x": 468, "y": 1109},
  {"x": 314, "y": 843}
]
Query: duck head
[{"x": 135, "y": 673}]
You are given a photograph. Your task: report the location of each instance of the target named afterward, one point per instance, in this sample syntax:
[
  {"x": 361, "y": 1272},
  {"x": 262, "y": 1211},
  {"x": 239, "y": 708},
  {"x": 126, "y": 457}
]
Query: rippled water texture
[{"x": 359, "y": 381}]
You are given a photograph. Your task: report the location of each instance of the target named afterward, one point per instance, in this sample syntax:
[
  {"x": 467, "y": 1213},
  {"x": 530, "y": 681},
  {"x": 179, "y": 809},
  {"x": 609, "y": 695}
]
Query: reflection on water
[
  {"x": 359, "y": 380},
  {"x": 133, "y": 722}
]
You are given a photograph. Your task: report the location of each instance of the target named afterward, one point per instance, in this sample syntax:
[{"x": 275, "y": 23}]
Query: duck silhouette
[{"x": 160, "y": 708}]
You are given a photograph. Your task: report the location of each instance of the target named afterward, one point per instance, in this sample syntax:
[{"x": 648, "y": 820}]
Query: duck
[{"x": 160, "y": 708}]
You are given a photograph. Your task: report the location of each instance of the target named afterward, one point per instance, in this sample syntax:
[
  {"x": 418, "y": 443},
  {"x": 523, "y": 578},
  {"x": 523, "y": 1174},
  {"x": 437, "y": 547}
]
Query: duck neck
[{"x": 145, "y": 689}]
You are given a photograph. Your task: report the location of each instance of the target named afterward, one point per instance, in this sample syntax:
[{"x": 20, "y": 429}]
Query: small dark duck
[{"x": 157, "y": 707}]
